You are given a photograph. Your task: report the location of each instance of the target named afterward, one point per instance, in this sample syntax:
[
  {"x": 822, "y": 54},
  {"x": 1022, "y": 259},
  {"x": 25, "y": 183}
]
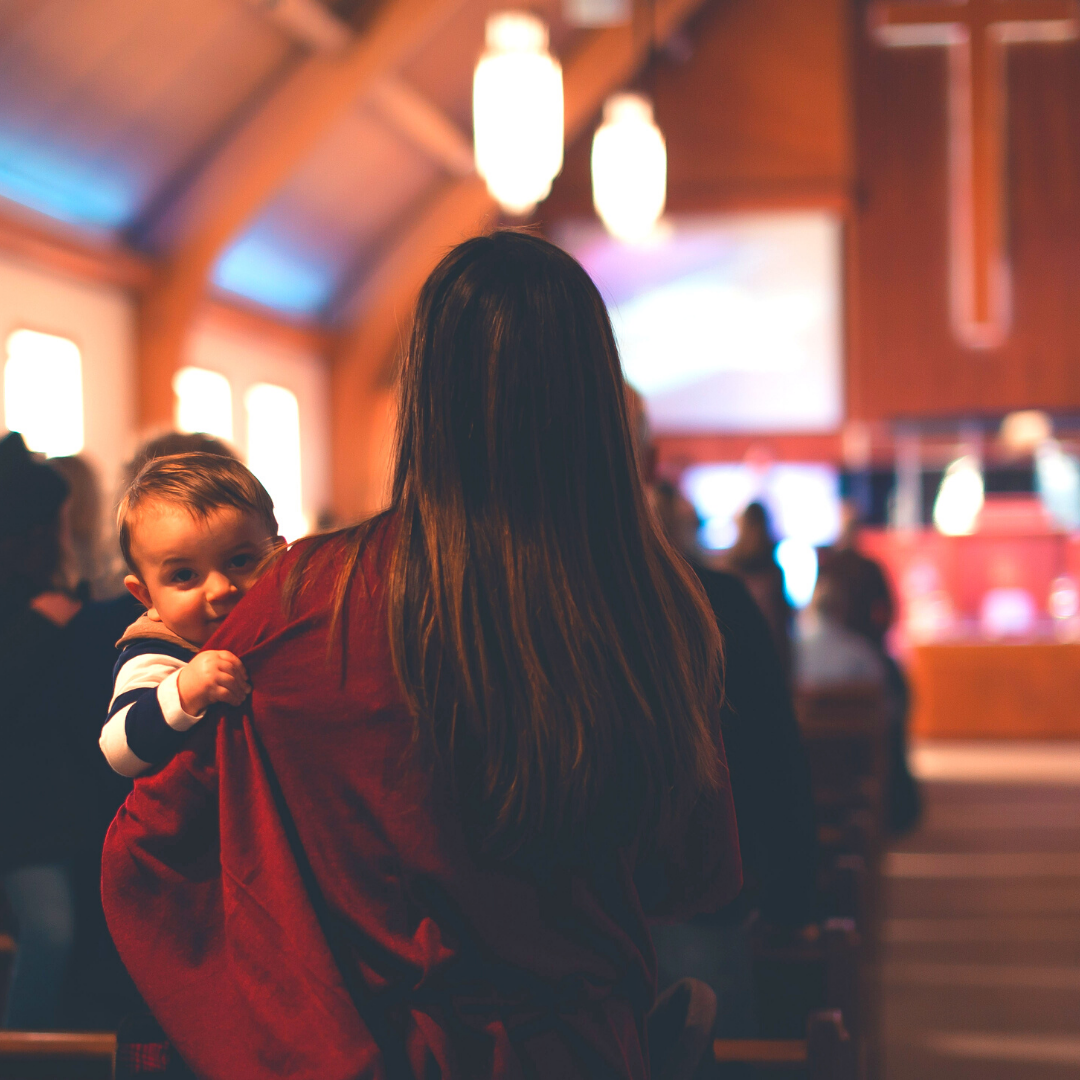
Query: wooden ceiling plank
[
  {"x": 246, "y": 173},
  {"x": 363, "y": 361},
  {"x": 117, "y": 95}
]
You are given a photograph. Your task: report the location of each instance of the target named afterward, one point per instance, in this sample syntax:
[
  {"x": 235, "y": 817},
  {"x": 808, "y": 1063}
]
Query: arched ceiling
[{"x": 111, "y": 112}]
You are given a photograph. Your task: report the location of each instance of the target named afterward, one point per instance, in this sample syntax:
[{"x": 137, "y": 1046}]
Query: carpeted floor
[{"x": 981, "y": 958}]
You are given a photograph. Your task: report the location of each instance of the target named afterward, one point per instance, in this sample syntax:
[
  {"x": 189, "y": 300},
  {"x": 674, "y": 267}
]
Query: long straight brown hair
[{"x": 560, "y": 659}]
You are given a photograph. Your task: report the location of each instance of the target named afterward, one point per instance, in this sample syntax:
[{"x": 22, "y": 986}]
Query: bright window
[
  {"x": 273, "y": 423},
  {"x": 203, "y": 402},
  {"x": 43, "y": 392}
]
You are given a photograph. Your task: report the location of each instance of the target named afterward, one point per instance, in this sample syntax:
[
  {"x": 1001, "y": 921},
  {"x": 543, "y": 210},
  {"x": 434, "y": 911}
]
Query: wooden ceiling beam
[
  {"x": 363, "y": 362},
  {"x": 309, "y": 22},
  {"x": 245, "y": 174},
  {"x": 424, "y": 125}
]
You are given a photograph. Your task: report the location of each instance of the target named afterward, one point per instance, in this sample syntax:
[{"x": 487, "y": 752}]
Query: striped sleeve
[{"x": 146, "y": 723}]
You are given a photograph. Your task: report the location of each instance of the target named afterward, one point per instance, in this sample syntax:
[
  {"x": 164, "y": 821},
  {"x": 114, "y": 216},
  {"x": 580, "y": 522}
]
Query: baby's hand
[{"x": 214, "y": 676}]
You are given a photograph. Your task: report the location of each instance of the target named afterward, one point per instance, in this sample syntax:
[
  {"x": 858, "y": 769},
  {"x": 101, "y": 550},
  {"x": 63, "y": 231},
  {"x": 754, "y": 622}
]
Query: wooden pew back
[
  {"x": 826, "y": 1053},
  {"x": 57, "y": 1055}
]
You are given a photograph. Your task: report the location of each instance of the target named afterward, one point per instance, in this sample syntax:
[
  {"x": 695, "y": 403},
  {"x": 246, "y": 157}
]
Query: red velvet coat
[{"x": 485, "y": 971}]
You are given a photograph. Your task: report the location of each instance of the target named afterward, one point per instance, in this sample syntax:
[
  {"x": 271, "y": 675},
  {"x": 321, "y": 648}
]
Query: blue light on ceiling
[
  {"x": 259, "y": 270},
  {"x": 47, "y": 182}
]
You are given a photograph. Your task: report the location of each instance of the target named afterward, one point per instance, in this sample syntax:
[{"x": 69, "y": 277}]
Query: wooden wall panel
[
  {"x": 758, "y": 115},
  {"x": 761, "y": 110},
  {"x": 903, "y": 359}
]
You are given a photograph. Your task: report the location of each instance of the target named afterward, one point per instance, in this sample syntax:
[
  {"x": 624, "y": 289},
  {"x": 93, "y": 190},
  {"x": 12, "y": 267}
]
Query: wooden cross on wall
[{"x": 976, "y": 34}]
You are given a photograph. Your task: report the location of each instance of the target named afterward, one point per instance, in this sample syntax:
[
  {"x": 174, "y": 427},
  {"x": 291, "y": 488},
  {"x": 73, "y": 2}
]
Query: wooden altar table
[{"x": 992, "y": 690}]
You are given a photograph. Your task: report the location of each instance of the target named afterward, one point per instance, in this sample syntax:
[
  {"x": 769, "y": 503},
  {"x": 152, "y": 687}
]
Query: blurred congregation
[{"x": 539, "y": 542}]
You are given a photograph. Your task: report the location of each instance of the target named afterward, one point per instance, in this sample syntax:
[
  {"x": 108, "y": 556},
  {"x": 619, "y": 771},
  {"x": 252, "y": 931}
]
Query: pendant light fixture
[
  {"x": 518, "y": 112},
  {"x": 629, "y": 168}
]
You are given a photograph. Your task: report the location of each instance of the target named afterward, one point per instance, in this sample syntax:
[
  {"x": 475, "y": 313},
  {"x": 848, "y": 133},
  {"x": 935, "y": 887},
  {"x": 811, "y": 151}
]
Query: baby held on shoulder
[{"x": 195, "y": 530}]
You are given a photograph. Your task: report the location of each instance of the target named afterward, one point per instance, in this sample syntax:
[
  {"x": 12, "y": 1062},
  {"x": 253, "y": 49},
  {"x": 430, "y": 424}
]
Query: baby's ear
[
  {"x": 142, "y": 594},
  {"x": 278, "y": 543}
]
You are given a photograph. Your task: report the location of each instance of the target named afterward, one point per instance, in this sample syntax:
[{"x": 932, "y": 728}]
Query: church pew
[
  {"x": 826, "y": 1053},
  {"x": 794, "y": 977},
  {"x": 7, "y": 948},
  {"x": 7, "y": 959},
  {"x": 57, "y": 1055},
  {"x": 843, "y": 888},
  {"x": 843, "y": 730}
]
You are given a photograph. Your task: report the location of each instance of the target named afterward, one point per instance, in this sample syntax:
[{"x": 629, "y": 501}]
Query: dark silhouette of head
[
  {"x": 755, "y": 543},
  {"x": 31, "y": 495},
  {"x": 855, "y": 593},
  {"x": 169, "y": 443}
]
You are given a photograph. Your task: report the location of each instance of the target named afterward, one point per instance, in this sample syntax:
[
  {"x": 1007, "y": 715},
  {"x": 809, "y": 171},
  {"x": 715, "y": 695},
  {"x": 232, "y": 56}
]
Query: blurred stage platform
[
  {"x": 989, "y": 690},
  {"x": 988, "y": 624}
]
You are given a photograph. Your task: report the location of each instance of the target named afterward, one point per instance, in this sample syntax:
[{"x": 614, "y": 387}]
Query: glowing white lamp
[
  {"x": 799, "y": 563},
  {"x": 43, "y": 392},
  {"x": 273, "y": 424},
  {"x": 629, "y": 168},
  {"x": 203, "y": 402},
  {"x": 1064, "y": 599},
  {"x": 518, "y": 112},
  {"x": 960, "y": 497}
]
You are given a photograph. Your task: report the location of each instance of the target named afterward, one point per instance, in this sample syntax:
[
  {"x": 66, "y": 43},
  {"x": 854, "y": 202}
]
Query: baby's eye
[
  {"x": 184, "y": 576},
  {"x": 240, "y": 562}
]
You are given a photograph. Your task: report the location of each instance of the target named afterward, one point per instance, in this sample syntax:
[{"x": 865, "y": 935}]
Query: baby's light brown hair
[{"x": 198, "y": 483}]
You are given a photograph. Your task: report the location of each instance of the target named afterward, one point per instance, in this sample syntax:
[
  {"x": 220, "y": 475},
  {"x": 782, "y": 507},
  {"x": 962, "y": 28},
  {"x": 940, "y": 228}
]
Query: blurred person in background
[
  {"x": 827, "y": 653},
  {"x": 58, "y": 795},
  {"x": 857, "y": 598},
  {"x": 37, "y": 812},
  {"x": 85, "y": 569},
  {"x": 753, "y": 558},
  {"x": 175, "y": 442},
  {"x": 770, "y": 783}
]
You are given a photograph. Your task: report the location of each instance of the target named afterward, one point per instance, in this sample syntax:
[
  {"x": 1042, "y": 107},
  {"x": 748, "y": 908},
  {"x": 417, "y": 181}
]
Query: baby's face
[{"x": 194, "y": 570}]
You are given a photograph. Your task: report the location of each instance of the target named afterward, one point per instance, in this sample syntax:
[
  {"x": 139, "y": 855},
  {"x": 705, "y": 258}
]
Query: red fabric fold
[{"x": 479, "y": 964}]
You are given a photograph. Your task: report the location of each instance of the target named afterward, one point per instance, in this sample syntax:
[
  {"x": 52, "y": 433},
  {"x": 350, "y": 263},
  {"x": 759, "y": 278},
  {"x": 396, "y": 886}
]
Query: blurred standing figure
[
  {"x": 753, "y": 558},
  {"x": 83, "y": 570},
  {"x": 827, "y": 653},
  {"x": 859, "y": 600},
  {"x": 36, "y": 814},
  {"x": 770, "y": 782}
]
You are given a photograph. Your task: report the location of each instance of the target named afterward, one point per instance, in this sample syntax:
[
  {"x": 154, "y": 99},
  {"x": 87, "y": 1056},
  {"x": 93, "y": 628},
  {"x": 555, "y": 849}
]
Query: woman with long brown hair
[{"x": 478, "y": 719}]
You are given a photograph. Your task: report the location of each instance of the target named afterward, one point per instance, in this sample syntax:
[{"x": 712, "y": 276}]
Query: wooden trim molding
[
  {"x": 677, "y": 452},
  {"x": 48, "y": 246},
  {"x": 57, "y": 1044},
  {"x": 829, "y": 193},
  {"x": 253, "y": 321}
]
